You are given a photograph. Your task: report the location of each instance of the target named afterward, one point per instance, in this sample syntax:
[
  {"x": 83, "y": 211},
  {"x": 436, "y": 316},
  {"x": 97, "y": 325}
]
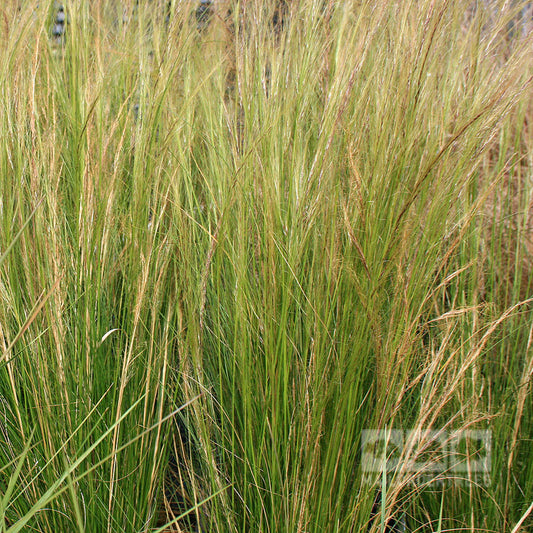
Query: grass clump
[{"x": 227, "y": 251}]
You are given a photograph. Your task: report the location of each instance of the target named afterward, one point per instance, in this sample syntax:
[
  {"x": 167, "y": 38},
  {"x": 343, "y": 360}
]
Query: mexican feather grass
[{"x": 227, "y": 251}]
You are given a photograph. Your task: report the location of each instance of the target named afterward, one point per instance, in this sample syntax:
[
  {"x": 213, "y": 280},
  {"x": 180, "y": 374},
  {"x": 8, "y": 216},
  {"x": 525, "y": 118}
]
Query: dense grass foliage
[{"x": 226, "y": 250}]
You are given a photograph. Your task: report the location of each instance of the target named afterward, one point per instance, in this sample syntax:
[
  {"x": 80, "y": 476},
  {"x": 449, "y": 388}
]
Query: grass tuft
[{"x": 230, "y": 244}]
